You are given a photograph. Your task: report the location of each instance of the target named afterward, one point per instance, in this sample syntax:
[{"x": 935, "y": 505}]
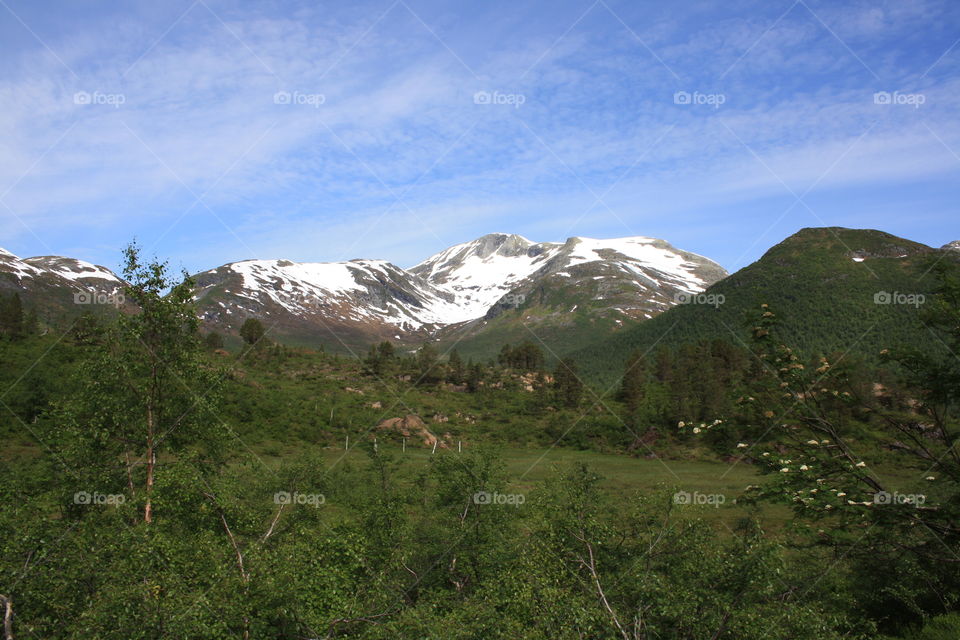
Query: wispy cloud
[{"x": 219, "y": 129}]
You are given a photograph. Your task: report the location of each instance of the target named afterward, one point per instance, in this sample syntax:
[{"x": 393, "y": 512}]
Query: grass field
[{"x": 625, "y": 477}]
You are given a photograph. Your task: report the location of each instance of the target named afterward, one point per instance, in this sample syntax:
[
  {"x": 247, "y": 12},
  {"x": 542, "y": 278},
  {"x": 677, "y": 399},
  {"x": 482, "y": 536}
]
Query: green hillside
[{"x": 825, "y": 298}]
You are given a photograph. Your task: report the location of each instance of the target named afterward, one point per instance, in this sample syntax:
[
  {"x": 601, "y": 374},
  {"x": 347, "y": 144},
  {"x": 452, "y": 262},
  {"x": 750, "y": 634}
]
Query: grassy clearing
[{"x": 623, "y": 476}]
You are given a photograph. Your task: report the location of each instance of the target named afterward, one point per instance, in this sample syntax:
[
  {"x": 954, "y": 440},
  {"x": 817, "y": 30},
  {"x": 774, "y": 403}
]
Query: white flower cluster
[{"x": 703, "y": 426}]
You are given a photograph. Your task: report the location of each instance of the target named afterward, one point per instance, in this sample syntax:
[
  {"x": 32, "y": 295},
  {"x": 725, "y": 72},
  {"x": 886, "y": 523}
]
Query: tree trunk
[
  {"x": 7, "y": 603},
  {"x": 151, "y": 461}
]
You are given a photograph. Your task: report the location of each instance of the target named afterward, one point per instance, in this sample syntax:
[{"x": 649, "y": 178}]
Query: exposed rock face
[
  {"x": 412, "y": 426},
  {"x": 351, "y": 304},
  {"x": 501, "y": 271}
]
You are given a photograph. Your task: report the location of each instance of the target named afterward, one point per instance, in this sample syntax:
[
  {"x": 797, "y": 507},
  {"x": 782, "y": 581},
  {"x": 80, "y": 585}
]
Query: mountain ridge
[
  {"x": 495, "y": 289},
  {"x": 834, "y": 290},
  {"x": 360, "y": 301},
  {"x": 58, "y": 287}
]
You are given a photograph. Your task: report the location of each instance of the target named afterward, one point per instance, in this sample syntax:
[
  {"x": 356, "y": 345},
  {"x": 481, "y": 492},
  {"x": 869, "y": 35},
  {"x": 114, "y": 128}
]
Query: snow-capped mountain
[
  {"x": 54, "y": 266},
  {"x": 480, "y": 273},
  {"x": 951, "y": 246},
  {"x": 58, "y": 286},
  {"x": 355, "y": 302},
  {"x": 349, "y": 302}
]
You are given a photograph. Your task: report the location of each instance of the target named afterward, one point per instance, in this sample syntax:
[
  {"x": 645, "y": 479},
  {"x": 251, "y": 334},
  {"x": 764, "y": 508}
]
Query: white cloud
[{"x": 199, "y": 117}]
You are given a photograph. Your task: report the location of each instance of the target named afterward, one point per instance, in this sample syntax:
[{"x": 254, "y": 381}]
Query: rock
[{"x": 409, "y": 426}]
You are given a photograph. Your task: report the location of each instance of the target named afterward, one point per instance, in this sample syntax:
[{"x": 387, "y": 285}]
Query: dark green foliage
[
  {"x": 525, "y": 357},
  {"x": 12, "y": 322},
  {"x": 381, "y": 358},
  {"x": 806, "y": 424},
  {"x": 34, "y": 371},
  {"x": 284, "y": 545},
  {"x": 569, "y": 387},
  {"x": 457, "y": 369},
  {"x": 213, "y": 341},
  {"x": 940, "y": 628},
  {"x": 696, "y": 382},
  {"x": 146, "y": 391},
  {"x": 474, "y": 377},
  {"x": 252, "y": 331},
  {"x": 87, "y": 329},
  {"x": 825, "y": 298},
  {"x": 428, "y": 371},
  {"x": 456, "y": 553}
]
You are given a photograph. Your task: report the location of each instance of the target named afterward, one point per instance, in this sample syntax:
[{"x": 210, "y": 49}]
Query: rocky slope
[
  {"x": 347, "y": 305},
  {"x": 340, "y": 304},
  {"x": 58, "y": 288}
]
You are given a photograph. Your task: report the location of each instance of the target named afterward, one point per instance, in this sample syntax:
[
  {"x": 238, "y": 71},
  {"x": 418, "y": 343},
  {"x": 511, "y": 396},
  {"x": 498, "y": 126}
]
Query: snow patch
[{"x": 87, "y": 270}]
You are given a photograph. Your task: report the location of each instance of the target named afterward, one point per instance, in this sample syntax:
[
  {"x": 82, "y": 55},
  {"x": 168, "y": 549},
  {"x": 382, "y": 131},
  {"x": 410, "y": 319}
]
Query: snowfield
[{"x": 460, "y": 283}]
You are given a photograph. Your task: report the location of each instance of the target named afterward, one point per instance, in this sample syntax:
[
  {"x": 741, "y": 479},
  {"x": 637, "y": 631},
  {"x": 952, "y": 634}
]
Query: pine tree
[
  {"x": 379, "y": 357},
  {"x": 504, "y": 357},
  {"x": 635, "y": 377},
  {"x": 87, "y": 330},
  {"x": 568, "y": 384},
  {"x": 474, "y": 377},
  {"x": 386, "y": 351},
  {"x": 11, "y": 317},
  {"x": 456, "y": 367},
  {"x": 427, "y": 363}
]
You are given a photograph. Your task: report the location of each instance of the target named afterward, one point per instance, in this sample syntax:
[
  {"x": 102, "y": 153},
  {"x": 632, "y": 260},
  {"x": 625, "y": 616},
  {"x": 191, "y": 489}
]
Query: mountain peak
[
  {"x": 857, "y": 244},
  {"x": 506, "y": 244},
  {"x": 502, "y": 235},
  {"x": 481, "y": 272}
]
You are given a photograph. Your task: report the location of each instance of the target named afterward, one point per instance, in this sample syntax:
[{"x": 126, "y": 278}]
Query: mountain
[
  {"x": 482, "y": 272},
  {"x": 465, "y": 293},
  {"x": 59, "y": 288},
  {"x": 559, "y": 294},
  {"x": 345, "y": 305},
  {"x": 597, "y": 300},
  {"x": 833, "y": 289}
]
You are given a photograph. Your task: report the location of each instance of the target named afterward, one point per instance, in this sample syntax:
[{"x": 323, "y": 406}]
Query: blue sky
[{"x": 215, "y": 131}]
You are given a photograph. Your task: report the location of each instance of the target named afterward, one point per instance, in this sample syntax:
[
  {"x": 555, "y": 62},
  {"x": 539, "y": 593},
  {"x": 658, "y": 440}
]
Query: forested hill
[{"x": 833, "y": 289}]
